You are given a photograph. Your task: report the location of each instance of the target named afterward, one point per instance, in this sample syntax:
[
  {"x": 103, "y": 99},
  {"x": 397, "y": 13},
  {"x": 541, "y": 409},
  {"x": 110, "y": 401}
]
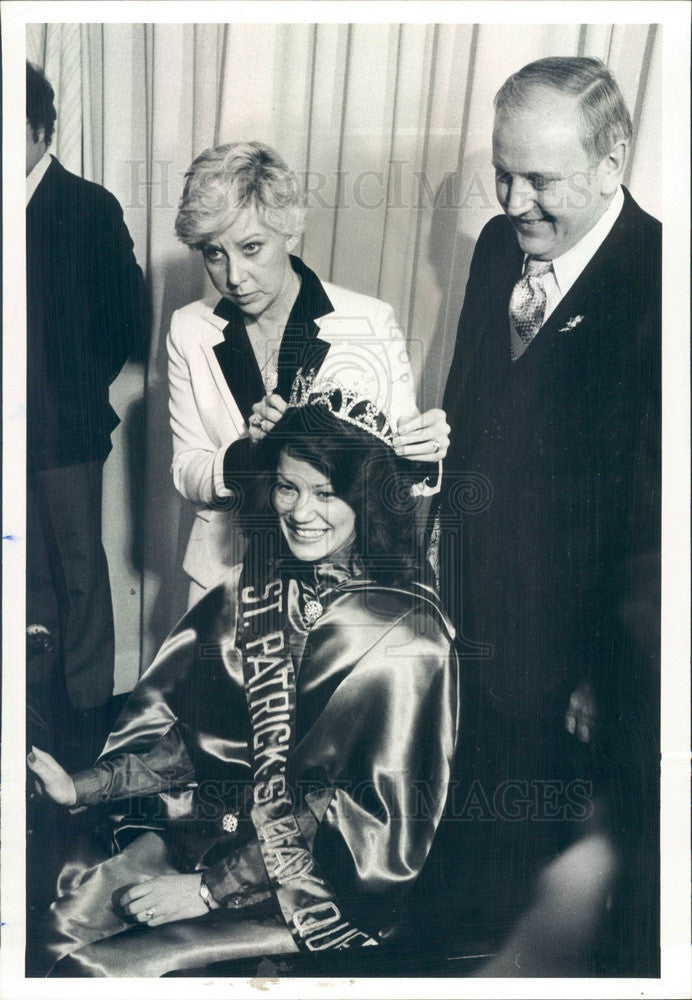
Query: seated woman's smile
[{"x": 314, "y": 521}]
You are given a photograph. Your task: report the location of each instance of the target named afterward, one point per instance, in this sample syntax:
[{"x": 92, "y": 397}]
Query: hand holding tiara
[
  {"x": 424, "y": 437},
  {"x": 346, "y": 403},
  {"x": 265, "y": 414}
]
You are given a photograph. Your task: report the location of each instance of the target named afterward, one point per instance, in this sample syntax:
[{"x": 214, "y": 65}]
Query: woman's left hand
[
  {"x": 163, "y": 899},
  {"x": 423, "y": 438},
  {"x": 51, "y": 778}
]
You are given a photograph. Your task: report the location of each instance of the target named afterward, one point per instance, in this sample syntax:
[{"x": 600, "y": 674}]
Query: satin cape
[{"x": 375, "y": 682}]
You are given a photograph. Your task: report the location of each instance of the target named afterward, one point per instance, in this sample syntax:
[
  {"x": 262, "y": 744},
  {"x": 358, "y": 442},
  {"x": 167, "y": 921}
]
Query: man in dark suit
[
  {"x": 84, "y": 317},
  {"x": 552, "y": 572}
]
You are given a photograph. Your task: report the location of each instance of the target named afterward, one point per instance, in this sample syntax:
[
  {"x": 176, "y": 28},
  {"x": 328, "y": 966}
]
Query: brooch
[
  {"x": 570, "y": 324},
  {"x": 229, "y": 822},
  {"x": 313, "y": 610}
]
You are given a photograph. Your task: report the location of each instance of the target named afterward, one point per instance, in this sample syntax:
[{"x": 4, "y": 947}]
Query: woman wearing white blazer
[{"x": 233, "y": 360}]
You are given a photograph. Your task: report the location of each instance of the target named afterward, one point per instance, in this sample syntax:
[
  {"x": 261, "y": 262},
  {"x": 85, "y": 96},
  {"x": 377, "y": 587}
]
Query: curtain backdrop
[{"x": 389, "y": 124}]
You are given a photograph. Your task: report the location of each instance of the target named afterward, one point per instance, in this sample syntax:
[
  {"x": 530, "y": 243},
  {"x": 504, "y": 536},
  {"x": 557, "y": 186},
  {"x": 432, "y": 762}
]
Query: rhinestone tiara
[{"x": 345, "y": 403}]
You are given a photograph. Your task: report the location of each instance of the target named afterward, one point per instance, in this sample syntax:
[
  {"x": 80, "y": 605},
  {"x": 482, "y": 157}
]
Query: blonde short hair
[{"x": 224, "y": 179}]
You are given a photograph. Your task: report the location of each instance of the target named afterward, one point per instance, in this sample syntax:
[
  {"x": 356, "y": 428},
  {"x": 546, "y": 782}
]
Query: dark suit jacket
[
  {"x": 561, "y": 555},
  {"x": 85, "y": 315}
]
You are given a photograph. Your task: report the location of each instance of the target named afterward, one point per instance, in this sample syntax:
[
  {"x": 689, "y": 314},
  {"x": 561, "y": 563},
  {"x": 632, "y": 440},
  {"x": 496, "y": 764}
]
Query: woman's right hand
[
  {"x": 52, "y": 779},
  {"x": 265, "y": 414}
]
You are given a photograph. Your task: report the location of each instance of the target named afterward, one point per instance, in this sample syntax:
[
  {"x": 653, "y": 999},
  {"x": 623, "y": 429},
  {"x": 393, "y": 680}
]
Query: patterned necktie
[{"x": 527, "y": 305}]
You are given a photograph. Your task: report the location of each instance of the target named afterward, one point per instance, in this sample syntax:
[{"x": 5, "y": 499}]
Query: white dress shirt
[
  {"x": 569, "y": 265},
  {"x": 36, "y": 176}
]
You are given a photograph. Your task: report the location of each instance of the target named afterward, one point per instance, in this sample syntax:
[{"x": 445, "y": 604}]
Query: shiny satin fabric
[
  {"x": 95, "y": 941},
  {"x": 376, "y": 695}
]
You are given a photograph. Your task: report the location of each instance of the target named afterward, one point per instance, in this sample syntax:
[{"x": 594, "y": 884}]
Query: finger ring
[
  {"x": 149, "y": 913},
  {"x": 436, "y": 446}
]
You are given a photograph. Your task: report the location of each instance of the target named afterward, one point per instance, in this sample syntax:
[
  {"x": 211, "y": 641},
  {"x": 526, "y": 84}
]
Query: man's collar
[
  {"x": 37, "y": 175},
  {"x": 569, "y": 265}
]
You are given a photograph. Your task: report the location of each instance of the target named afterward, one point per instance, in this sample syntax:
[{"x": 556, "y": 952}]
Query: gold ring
[{"x": 149, "y": 913}]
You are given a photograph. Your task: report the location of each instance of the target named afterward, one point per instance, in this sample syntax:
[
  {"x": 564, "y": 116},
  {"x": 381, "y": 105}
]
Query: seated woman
[
  {"x": 232, "y": 357},
  {"x": 272, "y": 760}
]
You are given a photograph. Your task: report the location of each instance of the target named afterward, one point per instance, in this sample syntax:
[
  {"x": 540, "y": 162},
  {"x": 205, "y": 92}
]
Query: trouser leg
[
  {"x": 46, "y": 604},
  {"x": 69, "y": 502}
]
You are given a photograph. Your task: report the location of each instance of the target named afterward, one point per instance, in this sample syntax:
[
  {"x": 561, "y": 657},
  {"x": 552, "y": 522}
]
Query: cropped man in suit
[
  {"x": 553, "y": 398},
  {"x": 85, "y": 312}
]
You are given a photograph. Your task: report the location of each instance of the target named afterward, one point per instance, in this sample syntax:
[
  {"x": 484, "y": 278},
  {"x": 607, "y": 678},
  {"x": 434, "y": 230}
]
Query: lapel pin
[{"x": 570, "y": 324}]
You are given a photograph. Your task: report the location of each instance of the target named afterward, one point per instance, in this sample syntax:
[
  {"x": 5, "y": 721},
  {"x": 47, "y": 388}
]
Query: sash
[{"x": 306, "y": 900}]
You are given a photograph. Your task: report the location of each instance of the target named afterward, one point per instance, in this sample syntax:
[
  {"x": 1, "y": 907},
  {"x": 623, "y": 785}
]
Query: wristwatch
[{"x": 206, "y": 896}]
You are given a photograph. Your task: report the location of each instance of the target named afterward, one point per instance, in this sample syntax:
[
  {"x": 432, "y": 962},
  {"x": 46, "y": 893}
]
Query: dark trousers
[
  {"x": 70, "y": 675},
  {"x": 70, "y": 658}
]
